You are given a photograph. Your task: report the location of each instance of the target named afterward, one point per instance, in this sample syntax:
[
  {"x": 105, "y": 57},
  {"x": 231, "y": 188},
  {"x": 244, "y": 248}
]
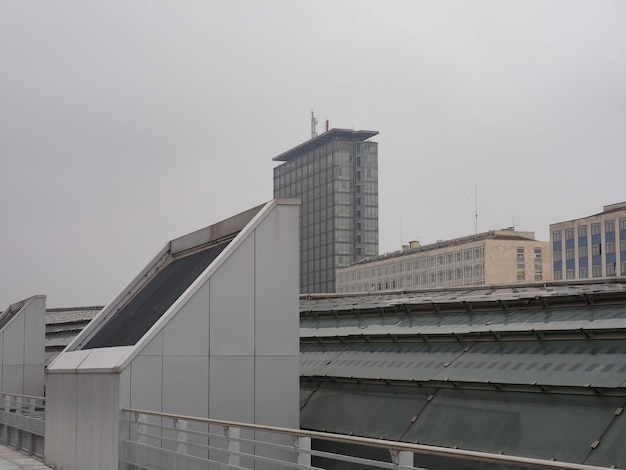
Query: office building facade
[
  {"x": 489, "y": 258},
  {"x": 591, "y": 247},
  {"x": 335, "y": 175}
]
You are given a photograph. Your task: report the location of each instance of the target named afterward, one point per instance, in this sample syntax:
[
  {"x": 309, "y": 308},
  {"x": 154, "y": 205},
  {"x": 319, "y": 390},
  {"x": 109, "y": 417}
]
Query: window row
[
  {"x": 596, "y": 227},
  {"x": 467, "y": 275}
]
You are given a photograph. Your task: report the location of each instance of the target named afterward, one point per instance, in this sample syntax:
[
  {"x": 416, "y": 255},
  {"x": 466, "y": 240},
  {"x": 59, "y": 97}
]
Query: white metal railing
[
  {"x": 22, "y": 422},
  {"x": 164, "y": 441}
]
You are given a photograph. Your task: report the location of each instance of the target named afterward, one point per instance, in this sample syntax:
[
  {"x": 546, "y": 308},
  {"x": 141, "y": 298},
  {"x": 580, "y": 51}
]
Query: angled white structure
[
  {"x": 22, "y": 347},
  {"x": 209, "y": 328}
]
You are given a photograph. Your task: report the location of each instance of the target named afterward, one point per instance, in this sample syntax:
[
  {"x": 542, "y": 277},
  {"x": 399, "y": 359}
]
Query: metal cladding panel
[
  {"x": 421, "y": 361},
  {"x": 14, "y": 341},
  {"x": 104, "y": 359},
  {"x": 13, "y": 379},
  {"x": 145, "y": 382},
  {"x": 35, "y": 332},
  {"x": 232, "y": 303},
  {"x": 186, "y": 385},
  {"x": 276, "y": 268},
  {"x": 60, "y": 441},
  {"x": 563, "y": 363},
  {"x": 97, "y": 421},
  {"x": 231, "y": 388},
  {"x": 34, "y": 380},
  {"x": 276, "y": 391},
  {"x": 134, "y": 319},
  {"x": 154, "y": 347},
  {"x": 187, "y": 333}
]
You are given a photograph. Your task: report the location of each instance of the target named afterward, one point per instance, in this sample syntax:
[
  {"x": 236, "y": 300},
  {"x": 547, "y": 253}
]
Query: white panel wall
[
  {"x": 228, "y": 351},
  {"x": 276, "y": 286},
  {"x": 187, "y": 334},
  {"x": 22, "y": 349},
  {"x": 61, "y": 410},
  {"x": 97, "y": 421},
  {"x": 231, "y": 388},
  {"x": 232, "y": 304}
]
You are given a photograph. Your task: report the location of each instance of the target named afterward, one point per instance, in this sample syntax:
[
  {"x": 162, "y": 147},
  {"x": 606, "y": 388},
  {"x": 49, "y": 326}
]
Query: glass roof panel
[
  {"x": 599, "y": 363},
  {"x": 611, "y": 450},
  {"x": 366, "y": 410},
  {"x": 153, "y": 300},
  {"x": 393, "y": 361},
  {"x": 548, "y": 319},
  {"x": 536, "y": 425}
]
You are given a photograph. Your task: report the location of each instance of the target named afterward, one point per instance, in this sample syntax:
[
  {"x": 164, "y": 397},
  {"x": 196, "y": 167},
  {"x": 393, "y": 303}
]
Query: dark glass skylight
[{"x": 139, "y": 315}]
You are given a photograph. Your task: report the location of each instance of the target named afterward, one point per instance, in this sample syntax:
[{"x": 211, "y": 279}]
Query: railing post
[
  {"x": 181, "y": 436},
  {"x": 31, "y": 436},
  {"x": 233, "y": 445},
  {"x": 402, "y": 458},
  {"x": 303, "y": 448},
  {"x": 6, "y": 407},
  {"x": 405, "y": 459},
  {"x": 18, "y": 413}
]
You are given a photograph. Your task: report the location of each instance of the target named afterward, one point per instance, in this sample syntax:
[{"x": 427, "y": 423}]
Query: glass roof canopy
[{"x": 547, "y": 381}]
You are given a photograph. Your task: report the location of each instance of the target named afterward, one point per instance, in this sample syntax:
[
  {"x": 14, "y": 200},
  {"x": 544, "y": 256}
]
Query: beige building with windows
[
  {"x": 495, "y": 257},
  {"x": 591, "y": 247}
]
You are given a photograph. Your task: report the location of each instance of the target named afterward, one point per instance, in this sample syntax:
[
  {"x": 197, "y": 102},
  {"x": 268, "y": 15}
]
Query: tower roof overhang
[{"x": 332, "y": 134}]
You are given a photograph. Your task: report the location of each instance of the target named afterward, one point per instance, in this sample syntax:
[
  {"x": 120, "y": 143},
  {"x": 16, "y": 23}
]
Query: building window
[
  {"x": 582, "y": 231},
  {"x": 538, "y": 273},
  {"x": 537, "y": 252},
  {"x": 623, "y": 267},
  {"x": 569, "y": 233},
  {"x": 557, "y": 256},
  {"x": 558, "y": 275},
  {"x": 556, "y": 236},
  {"x": 609, "y": 226},
  {"x": 622, "y": 246},
  {"x": 609, "y": 247},
  {"x": 569, "y": 274},
  {"x": 583, "y": 272},
  {"x": 521, "y": 268},
  {"x": 610, "y": 269},
  {"x": 582, "y": 251},
  {"x": 622, "y": 223},
  {"x": 595, "y": 229},
  {"x": 596, "y": 250},
  {"x": 596, "y": 271},
  {"x": 569, "y": 253}
]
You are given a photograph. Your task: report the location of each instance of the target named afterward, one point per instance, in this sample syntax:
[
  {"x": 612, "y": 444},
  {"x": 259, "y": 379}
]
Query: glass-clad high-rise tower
[{"x": 335, "y": 175}]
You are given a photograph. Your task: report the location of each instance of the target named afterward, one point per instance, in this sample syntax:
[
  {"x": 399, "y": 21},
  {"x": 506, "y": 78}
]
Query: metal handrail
[
  {"x": 393, "y": 446},
  {"x": 29, "y": 397}
]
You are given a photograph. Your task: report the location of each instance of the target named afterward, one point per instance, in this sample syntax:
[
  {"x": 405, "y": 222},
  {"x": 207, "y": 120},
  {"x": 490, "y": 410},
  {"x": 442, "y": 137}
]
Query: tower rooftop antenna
[{"x": 313, "y": 125}]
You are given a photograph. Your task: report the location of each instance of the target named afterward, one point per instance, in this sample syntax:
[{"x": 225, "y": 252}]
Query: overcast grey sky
[{"x": 124, "y": 124}]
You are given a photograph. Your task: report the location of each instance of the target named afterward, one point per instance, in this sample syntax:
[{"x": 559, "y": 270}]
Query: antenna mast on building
[
  {"x": 313, "y": 125},
  {"x": 475, "y": 208}
]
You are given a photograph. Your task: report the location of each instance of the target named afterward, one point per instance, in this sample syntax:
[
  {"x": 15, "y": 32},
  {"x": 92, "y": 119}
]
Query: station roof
[{"x": 332, "y": 134}]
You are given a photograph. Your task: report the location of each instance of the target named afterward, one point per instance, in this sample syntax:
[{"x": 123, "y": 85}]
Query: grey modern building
[{"x": 335, "y": 175}]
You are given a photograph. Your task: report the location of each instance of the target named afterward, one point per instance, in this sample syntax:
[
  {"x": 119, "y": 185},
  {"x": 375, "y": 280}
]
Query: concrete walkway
[{"x": 11, "y": 459}]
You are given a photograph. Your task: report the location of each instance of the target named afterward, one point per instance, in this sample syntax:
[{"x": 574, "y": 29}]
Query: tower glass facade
[{"x": 336, "y": 177}]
